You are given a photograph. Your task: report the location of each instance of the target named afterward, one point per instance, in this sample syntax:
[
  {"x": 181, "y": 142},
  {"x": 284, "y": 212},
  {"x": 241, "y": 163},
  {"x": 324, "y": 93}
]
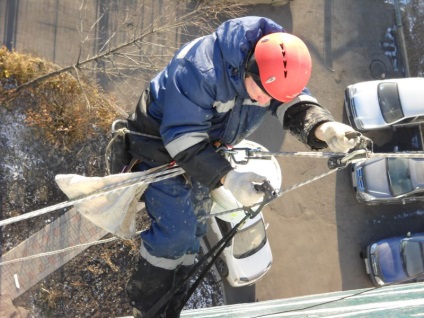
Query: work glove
[
  {"x": 241, "y": 185},
  {"x": 334, "y": 134}
]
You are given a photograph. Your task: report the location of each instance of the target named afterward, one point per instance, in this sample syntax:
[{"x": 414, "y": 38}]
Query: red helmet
[{"x": 284, "y": 65}]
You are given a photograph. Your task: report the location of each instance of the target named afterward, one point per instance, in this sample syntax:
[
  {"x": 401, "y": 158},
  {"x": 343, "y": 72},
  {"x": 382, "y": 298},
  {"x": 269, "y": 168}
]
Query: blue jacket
[{"x": 200, "y": 98}]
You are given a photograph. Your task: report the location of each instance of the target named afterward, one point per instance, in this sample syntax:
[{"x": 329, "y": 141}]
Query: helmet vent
[
  {"x": 285, "y": 74},
  {"x": 271, "y": 79},
  {"x": 283, "y": 51}
]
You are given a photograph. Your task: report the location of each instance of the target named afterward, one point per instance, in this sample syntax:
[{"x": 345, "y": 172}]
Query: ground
[{"x": 92, "y": 284}]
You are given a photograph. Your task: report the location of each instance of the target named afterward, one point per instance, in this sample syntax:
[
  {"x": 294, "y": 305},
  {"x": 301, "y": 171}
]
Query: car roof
[
  {"x": 416, "y": 169},
  {"x": 411, "y": 94}
]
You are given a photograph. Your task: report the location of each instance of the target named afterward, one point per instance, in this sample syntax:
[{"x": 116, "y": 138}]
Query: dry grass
[
  {"x": 106, "y": 255},
  {"x": 51, "y": 297},
  {"x": 66, "y": 109}
]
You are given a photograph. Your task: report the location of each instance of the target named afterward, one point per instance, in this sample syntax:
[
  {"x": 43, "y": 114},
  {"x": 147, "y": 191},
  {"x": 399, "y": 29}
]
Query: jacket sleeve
[
  {"x": 203, "y": 163},
  {"x": 301, "y": 117}
]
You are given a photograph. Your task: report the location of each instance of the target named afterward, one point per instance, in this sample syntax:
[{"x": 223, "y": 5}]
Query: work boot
[
  {"x": 146, "y": 286},
  {"x": 176, "y": 303}
]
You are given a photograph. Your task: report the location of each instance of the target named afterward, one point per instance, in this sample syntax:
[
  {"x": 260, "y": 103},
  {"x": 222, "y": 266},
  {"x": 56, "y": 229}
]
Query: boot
[
  {"x": 147, "y": 285},
  {"x": 175, "y": 304}
]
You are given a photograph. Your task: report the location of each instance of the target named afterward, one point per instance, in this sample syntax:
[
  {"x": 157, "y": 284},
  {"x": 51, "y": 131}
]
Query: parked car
[
  {"x": 388, "y": 180},
  {"x": 383, "y": 103},
  {"x": 395, "y": 260},
  {"x": 248, "y": 256}
]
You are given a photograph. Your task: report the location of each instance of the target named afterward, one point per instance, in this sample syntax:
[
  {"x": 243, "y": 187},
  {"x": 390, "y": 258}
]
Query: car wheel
[
  {"x": 378, "y": 69},
  {"x": 221, "y": 267}
]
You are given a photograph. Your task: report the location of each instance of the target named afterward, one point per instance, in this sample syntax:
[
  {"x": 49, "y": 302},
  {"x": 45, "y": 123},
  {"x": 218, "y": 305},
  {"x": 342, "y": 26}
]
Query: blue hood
[{"x": 236, "y": 46}]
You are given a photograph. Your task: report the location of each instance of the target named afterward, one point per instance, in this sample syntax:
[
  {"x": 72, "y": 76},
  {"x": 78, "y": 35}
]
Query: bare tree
[{"x": 132, "y": 42}]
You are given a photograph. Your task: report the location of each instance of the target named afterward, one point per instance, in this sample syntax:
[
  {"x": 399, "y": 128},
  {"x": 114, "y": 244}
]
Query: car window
[
  {"x": 413, "y": 257},
  {"x": 249, "y": 240},
  {"x": 399, "y": 176},
  {"x": 388, "y": 99}
]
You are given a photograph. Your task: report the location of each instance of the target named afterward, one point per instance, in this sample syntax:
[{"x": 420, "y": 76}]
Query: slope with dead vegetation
[{"x": 61, "y": 125}]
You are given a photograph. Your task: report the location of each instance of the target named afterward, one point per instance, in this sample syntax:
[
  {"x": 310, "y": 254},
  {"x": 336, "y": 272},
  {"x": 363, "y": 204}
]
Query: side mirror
[{"x": 408, "y": 234}]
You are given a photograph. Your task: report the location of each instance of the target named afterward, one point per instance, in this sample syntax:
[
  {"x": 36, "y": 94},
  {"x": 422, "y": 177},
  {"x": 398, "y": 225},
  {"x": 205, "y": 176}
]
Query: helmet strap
[{"x": 252, "y": 70}]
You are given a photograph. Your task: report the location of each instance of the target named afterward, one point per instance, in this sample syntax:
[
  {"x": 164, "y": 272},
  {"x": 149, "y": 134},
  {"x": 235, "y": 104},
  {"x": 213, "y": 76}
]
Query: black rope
[{"x": 221, "y": 246}]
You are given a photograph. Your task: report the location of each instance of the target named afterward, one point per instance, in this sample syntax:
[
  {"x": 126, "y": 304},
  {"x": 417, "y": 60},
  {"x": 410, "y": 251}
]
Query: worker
[{"x": 216, "y": 89}]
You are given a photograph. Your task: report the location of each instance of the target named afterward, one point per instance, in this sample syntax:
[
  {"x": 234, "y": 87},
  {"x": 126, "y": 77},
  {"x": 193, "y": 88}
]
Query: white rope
[
  {"x": 66, "y": 249},
  {"x": 369, "y": 154},
  {"x": 291, "y": 188},
  {"x": 149, "y": 177}
]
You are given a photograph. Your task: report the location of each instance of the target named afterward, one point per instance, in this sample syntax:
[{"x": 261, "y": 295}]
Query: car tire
[{"x": 378, "y": 69}]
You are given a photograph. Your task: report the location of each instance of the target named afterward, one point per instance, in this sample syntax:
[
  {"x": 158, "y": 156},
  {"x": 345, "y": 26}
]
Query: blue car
[{"x": 396, "y": 260}]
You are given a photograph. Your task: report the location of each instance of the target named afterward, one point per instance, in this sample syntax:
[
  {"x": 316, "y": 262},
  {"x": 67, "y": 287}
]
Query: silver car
[
  {"x": 389, "y": 180},
  {"x": 380, "y": 104}
]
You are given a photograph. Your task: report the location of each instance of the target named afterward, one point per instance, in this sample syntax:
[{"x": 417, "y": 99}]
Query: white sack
[{"x": 113, "y": 211}]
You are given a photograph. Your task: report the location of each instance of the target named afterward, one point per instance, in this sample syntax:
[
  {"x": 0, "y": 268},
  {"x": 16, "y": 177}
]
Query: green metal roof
[{"x": 405, "y": 300}]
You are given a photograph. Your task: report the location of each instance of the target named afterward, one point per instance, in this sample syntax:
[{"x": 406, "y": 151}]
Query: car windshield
[
  {"x": 399, "y": 176},
  {"x": 249, "y": 240},
  {"x": 412, "y": 252},
  {"x": 388, "y": 98}
]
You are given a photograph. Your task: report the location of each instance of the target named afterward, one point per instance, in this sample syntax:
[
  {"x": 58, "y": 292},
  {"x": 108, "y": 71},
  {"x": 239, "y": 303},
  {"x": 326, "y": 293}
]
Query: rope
[
  {"x": 291, "y": 188},
  {"x": 314, "y": 154},
  {"x": 121, "y": 132},
  {"x": 66, "y": 249},
  {"x": 369, "y": 154},
  {"x": 149, "y": 177},
  {"x": 63, "y": 250}
]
